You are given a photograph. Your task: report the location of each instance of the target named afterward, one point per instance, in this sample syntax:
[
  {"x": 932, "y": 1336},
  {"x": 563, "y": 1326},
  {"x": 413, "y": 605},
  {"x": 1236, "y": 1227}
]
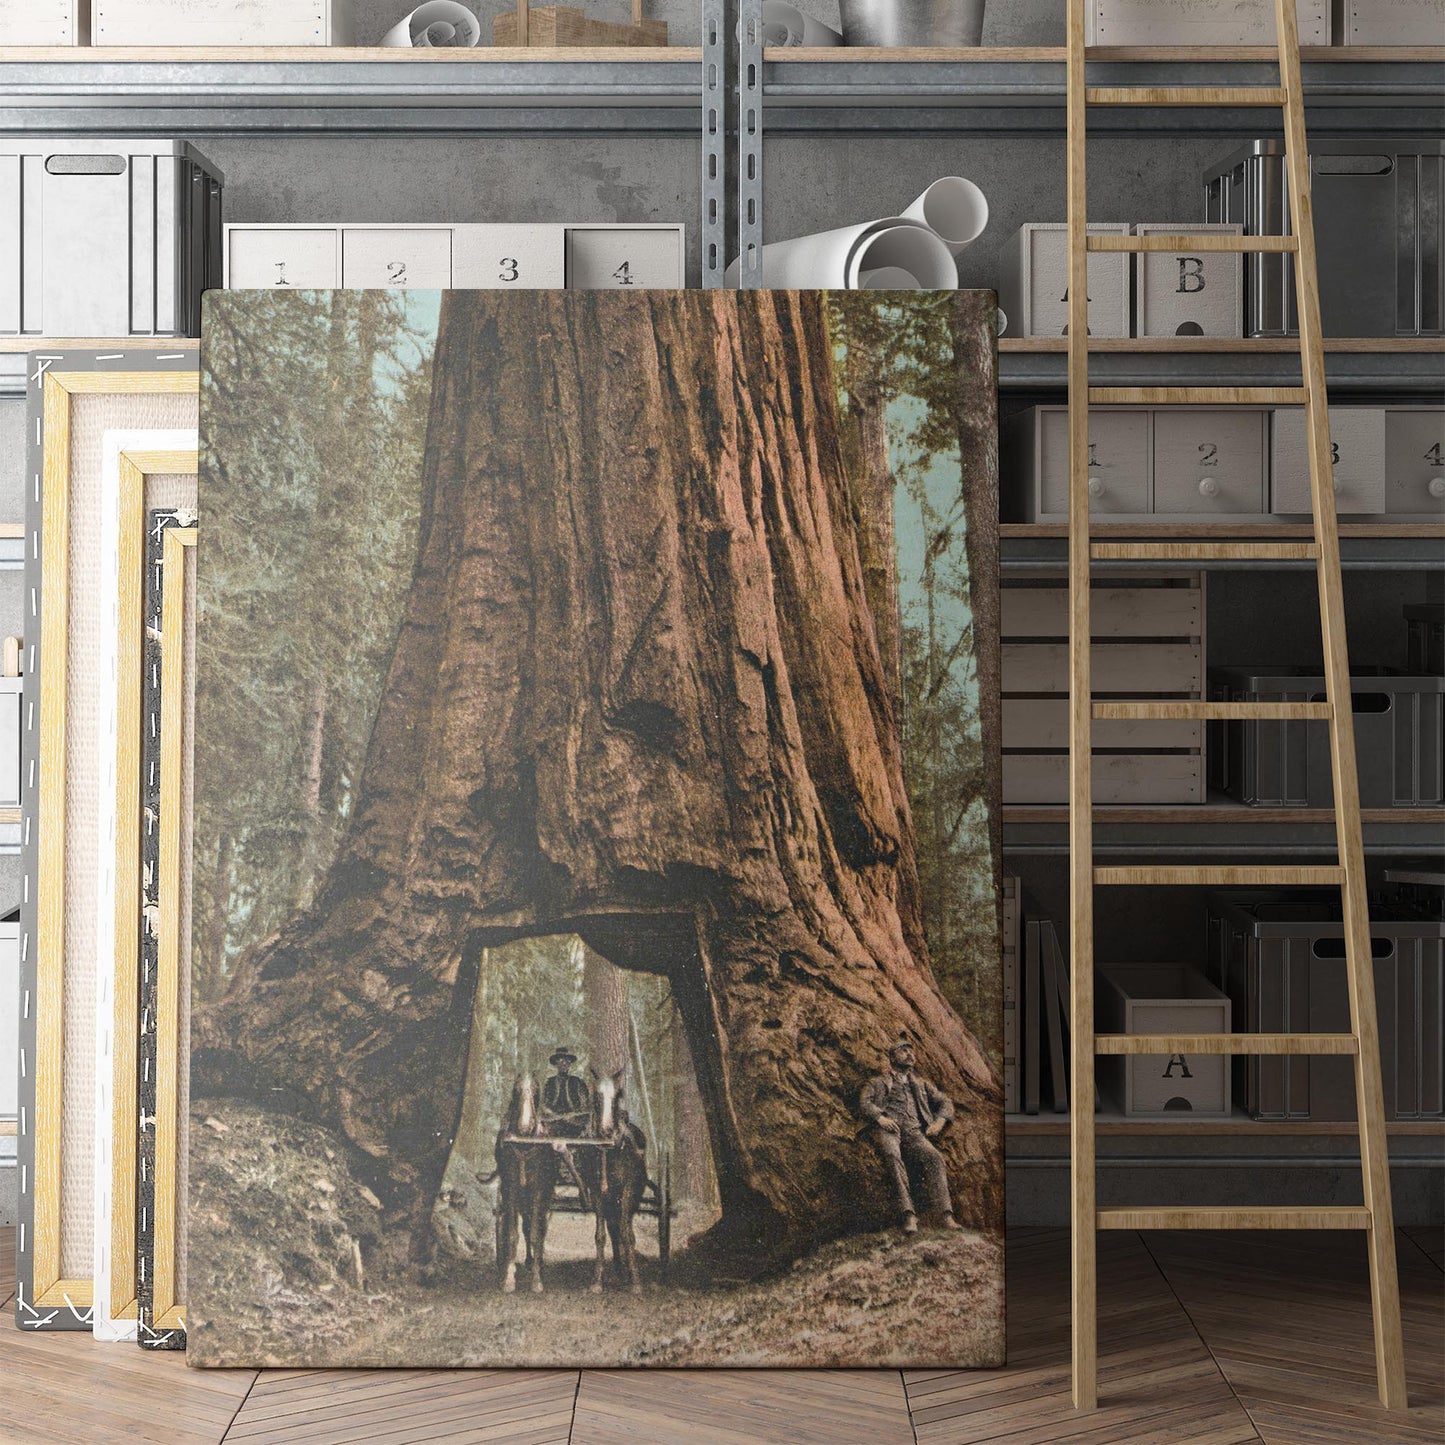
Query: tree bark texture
[
  {"x": 604, "y": 991},
  {"x": 637, "y": 695}
]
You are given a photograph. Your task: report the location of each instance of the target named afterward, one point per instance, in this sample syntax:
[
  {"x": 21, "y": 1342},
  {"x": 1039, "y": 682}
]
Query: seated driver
[{"x": 566, "y": 1099}]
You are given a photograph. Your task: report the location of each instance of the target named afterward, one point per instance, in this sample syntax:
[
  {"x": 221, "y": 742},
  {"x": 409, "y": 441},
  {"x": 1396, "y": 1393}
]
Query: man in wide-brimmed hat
[
  {"x": 566, "y": 1099},
  {"x": 905, "y": 1113}
]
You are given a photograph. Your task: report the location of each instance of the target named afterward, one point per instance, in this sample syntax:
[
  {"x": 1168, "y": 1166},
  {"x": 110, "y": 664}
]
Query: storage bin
[
  {"x": 1208, "y": 462},
  {"x": 106, "y": 237},
  {"x": 1188, "y": 293},
  {"x": 1357, "y": 446},
  {"x": 1389, "y": 22},
  {"x": 221, "y": 22},
  {"x": 1280, "y": 957},
  {"x": 1033, "y": 282},
  {"x": 1377, "y": 212},
  {"x": 1035, "y": 463},
  {"x": 1415, "y": 460},
  {"x": 1153, "y": 998},
  {"x": 1425, "y": 637},
  {"x": 44, "y": 22},
  {"x": 1399, "y": 739},
  {"x": 1200, "y": 22}
]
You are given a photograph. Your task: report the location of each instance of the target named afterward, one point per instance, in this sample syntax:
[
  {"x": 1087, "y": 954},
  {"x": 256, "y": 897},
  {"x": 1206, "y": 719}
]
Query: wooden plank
[
  {"x": 1182, "y": 241},
  {"x": 1185, "y": 95},
  {"x": 1197, "y": 395},
  {"x": 1043, "y": 722},
  {"x": 1235, "y": 876},
  {"x": 1115, "y": 612},
  {"x": 1220, "y": 345},
  {"x": 1359, "y": 969},
  {"x": 1206, "y": 709},
  {"x": 1131, "y": 667},
  {"x": 1226, "y": 1044},
  {"x": 1213, "y": 1216},
  {"x": 1206, "y": 551},
  {"x": 1116, "y": 778},
  {"x": 333, "y": 54}
]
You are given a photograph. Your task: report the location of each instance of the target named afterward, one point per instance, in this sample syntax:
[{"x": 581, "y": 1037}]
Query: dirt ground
[{"x": 288, "y": 1267}]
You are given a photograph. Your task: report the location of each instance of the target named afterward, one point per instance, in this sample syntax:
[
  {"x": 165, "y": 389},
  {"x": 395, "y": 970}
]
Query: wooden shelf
[
  {"x": 1219, "y": 812},
  {"x": 1039, "y": 1126},
  {"x": 1263, "y": 530},
  {"x": 495, "y": 55},
  {"x": 1228, "y": 345}
]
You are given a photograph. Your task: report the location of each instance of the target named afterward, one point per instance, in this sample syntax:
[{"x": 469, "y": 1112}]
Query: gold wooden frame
[
  {"x": 48, "y": 1287},
  {"x": 134, "y": 468},
  {"x": 168, "y": 1312}
]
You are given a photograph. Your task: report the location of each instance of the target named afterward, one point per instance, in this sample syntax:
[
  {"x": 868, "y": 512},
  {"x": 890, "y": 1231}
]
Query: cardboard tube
[
  {"x": 836, "y": 260},
  {"x": 439, "y": 24},
  {"x": 786, "y": 25},
  {"x": 954, "y": 208},
  {"x": 888, "y": 278}
]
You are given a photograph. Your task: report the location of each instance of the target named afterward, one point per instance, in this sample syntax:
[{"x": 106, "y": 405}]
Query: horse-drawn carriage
[{"x": 602, "y": 1172}]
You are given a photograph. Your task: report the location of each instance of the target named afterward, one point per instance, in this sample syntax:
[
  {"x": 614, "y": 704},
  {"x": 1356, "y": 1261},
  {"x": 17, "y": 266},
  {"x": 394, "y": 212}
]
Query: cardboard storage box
[
  {"x": 44, "y": 22},
  {"x": 1200, "y": 22},
  {"x": 1399, "y": 739},
  {"x": 1377, "y": 223},
  {"x": 106, "y": 237},
  {"x": 1357, "y": 449},
  {"x": 468, "y": 256},
  {"x": 1033, "y": 282},
  {"x": 1188, "y": 293},
  {"x": 221, "y": 22},
  {"x": 1281, "y": 959},
  {"x": 1154, "y": 998}
]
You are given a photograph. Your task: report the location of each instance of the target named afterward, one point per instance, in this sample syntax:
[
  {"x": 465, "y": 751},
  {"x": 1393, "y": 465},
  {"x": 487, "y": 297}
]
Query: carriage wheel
[{"x": 664, "y": 1213}]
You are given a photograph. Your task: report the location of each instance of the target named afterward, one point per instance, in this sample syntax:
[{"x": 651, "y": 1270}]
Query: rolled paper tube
[
  {"x": 888, "y": 278},
  {"x": 437, "y": 25},
  {"x": 1002, "y": 321},
  {"x": 954, "y": 208},
  {"x": 786, "y": 25},
  {"x": 908, "y": 247},
  {"x": 835, "y": 260}
]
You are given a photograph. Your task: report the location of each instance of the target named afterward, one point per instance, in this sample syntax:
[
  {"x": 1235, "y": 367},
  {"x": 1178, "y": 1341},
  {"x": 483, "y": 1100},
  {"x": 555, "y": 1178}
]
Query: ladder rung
[
  {"x": 1205, "y": 551},
  {"x": 1198, "y": 395},
  {"x": 1216, "y": 711},
  {"x": 1185, "y": 241},
  {"x": 1185, "y": 95},
  {"x": 1223, "y": 1217},
  {"x": 1238, "y": 876},
  {"x": 1270, "y": 1044}
]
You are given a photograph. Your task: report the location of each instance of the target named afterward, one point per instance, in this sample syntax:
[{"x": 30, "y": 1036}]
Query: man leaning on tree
[{"x": 905, "y": 1112}]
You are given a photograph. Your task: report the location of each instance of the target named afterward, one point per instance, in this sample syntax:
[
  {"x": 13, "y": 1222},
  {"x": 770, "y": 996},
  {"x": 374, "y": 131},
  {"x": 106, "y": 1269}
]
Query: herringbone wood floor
[{"x": 1204, "y": 1340}]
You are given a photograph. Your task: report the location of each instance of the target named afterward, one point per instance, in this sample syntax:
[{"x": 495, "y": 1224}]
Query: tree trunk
[
  {"x": 604, "y": 992},
  {"x": 692, "y": 1169},
  {"x": 637, "y": 695}
]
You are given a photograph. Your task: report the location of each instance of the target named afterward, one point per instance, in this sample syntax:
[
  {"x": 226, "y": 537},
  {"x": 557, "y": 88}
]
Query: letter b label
[{"x": 1191, "y": 275}]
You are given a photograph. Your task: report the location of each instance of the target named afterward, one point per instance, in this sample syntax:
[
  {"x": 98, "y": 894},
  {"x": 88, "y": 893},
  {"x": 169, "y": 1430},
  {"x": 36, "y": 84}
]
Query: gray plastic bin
[
  {"x": 1377, "y": 208},
  {"x": 1399, "y": 739},
  {"x": 1280, "y": 958},
  {"x": 1425, "y": 637}
]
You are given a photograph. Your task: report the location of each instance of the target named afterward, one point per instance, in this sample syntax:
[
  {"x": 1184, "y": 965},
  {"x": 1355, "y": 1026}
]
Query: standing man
[
  {"x": 905, "y": 1112},
  {"x": 566, "y": 1099}
]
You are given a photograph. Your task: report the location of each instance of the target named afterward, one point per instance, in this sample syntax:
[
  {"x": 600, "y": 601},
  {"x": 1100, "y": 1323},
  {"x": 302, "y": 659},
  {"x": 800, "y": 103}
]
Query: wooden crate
[
  {"x": 1010, "y": 915},
  {"x": 551, "y": 26},
  {"x": 1148, "y": 642}
]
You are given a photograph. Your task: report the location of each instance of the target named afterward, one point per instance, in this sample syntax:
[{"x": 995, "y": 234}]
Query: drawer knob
[
  {"x": 1436, "y": 486},
  {"x": 1096, "y": 486},
  {"x": 1208, "y": 487}
]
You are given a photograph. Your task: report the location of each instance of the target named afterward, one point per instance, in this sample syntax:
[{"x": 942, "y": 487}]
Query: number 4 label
[{"x": 623, "y": 274}]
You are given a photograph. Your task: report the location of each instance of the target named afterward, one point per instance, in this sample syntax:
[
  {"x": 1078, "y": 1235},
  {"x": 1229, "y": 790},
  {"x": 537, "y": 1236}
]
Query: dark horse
[
  {"x": 528, "y": 1179},
  {"x": 614, "y": 1178}
]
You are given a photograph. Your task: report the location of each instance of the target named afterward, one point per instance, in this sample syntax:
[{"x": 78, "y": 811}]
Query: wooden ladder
[{"x": 1375, "y": 1218}]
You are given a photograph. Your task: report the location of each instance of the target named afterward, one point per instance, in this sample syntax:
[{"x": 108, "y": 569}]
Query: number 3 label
[{"x": 509, "y": 270}]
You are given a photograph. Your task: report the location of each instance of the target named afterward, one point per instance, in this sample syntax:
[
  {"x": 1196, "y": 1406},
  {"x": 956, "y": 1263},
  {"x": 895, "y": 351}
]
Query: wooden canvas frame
[
  {"x": 47, "y": 1297},
  {"x": 131, "y": 458},
  {"x": 162, "y": 1322}
]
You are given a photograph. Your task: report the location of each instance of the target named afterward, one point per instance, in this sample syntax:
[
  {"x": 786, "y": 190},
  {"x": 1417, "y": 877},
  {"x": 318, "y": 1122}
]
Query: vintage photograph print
[{"x": 595, "y": 925}]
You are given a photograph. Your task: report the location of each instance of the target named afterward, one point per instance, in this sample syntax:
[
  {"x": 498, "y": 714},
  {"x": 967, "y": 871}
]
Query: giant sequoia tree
[{"x": 637, "y": 695}]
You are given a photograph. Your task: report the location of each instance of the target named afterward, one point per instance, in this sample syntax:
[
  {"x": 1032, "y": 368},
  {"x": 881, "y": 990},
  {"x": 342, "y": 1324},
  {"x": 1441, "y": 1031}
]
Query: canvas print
[{"x": 595, "y": 907}]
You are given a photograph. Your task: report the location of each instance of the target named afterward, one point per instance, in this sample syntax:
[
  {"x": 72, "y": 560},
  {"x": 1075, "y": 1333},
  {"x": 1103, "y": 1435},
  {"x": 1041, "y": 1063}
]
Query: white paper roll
[
  {"x": 954, "y": 208},
  {"x": 836, "y": 260},
  {"x": 888, "y": 278},
  {"x": 439, "y": 24},
  {"x": 786, "y": 25}
]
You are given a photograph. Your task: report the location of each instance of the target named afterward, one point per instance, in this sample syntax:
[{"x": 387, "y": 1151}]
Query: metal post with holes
[
  {"x": 715, "y": 71},
  {"x": 750, "y": 143}
]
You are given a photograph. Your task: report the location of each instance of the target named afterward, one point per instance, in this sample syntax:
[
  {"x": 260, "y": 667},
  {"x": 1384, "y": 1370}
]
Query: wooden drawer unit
[
  {"x": 1209, "y": 462},
  {"x": 1033, "y": 287},
  {"x": 1148, "y": 636},
  {"x": 1357, "y": 441},
  {"x": 1036, "y": 462},
  {"x": 1415, "y": 460},
  {"x": 1189, "y": 293},
  {"x": 403, "y": 257}
]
